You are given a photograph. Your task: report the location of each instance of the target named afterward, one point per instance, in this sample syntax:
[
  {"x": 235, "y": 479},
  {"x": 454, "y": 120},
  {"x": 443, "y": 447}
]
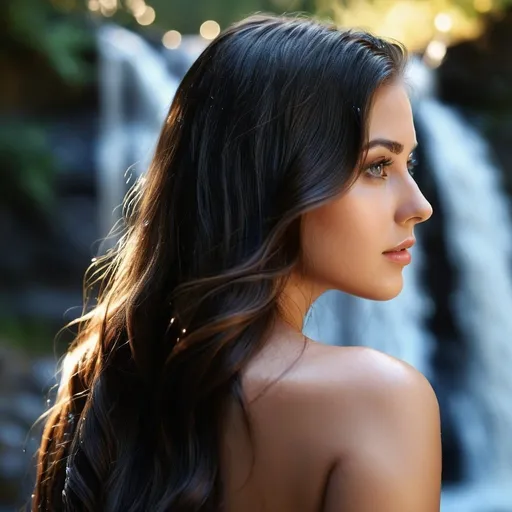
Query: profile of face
[{"x": 346, "y": 243}]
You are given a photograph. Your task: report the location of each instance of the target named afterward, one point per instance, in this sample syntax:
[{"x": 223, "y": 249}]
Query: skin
[
  {"x": 342, "y": 429},
  {"x": 343, "y": 241}
]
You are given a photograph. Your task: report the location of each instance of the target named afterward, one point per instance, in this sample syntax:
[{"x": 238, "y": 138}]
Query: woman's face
[{"x": 346, "y": 242}]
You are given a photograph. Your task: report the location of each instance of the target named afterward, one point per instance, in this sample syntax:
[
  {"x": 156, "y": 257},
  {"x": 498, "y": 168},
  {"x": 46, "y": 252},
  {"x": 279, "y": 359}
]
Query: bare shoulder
[
  {"x": 362, "y": 386},
  {"x": 380, "y": 423},
  {"x": 329, "y": 380},
  {"x": 366, "y": 423},
  {"x": 368, "y": 375}
]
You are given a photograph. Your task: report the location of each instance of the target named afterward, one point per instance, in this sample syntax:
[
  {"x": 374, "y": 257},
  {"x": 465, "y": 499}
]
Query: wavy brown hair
[{"x": 268, "y": 123}]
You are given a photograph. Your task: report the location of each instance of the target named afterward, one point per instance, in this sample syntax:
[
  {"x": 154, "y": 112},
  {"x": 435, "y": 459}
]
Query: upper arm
[{"x": 389, "y": 453}]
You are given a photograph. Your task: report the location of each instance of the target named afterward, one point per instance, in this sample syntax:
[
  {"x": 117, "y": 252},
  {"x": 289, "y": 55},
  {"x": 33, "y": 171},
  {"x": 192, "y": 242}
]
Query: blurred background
[{"x": 84, "y": 87}]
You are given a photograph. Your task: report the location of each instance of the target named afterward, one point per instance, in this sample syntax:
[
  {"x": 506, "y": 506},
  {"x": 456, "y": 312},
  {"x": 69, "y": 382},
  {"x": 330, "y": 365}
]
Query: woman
[{"x": 283, "y": 170}]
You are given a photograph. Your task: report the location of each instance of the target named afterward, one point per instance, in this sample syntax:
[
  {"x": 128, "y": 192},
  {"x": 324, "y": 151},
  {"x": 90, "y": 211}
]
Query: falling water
[
  {"x": 136, "y": 91},
  {"x": 479, "y": 243}
]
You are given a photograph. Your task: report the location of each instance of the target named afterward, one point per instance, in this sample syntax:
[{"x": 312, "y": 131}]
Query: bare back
[{"x": 333, "y": 429}]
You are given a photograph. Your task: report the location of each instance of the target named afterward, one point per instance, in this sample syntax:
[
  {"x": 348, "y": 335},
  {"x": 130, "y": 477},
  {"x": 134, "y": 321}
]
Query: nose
[{"x": 414, "y": 207}]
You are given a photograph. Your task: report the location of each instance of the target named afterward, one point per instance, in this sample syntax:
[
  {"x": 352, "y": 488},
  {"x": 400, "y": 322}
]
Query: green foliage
[
  {"x": 33, "y": 336},
  {"x": 46, "y": 58},
  {"x": 26, "y": 180},
  {"x": 39, "y": 27}
]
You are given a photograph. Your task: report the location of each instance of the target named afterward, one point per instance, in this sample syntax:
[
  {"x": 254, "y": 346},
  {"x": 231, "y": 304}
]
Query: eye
[
  {"x": 411, "y": 164},
  {"x": 377, "y": 169}
]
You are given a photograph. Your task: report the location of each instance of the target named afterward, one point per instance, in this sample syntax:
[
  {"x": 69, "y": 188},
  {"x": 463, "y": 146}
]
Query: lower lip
[{"x": 402, "y": 257}]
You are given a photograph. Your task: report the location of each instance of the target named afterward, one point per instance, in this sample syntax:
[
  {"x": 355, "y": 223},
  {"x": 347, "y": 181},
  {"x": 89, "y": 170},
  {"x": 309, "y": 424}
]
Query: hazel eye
[{"x": 377, "y": 169}]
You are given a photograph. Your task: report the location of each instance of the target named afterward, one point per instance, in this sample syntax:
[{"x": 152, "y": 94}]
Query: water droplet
[
  {"x": 184, "y": 331},
  {"x": 32, "y": 496},
  {"x": 94, "y": 260},
  {"x": 146, "y": 223},
  {"x": 172, "y": 321},
  {"x": 48, "y": 401}
]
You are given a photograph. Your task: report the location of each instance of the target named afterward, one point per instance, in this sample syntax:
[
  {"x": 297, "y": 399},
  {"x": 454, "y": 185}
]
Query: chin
[
  {"x": 386, "y": 292},
  {"x": 384, "y": 296},
  {"x": 377, "y": 291}
]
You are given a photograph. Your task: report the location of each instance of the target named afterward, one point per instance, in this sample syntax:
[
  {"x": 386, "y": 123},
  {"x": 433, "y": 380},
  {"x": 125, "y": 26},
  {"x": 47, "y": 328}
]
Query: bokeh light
[
  {"x": 209, "y": 29},
  {"x": 435, "y": 52},
  {"x": 443, "y": 22},
  {"x": 147, "y": 17},
  {"x": 171, "y": 39},
  {"x": 136, "y": 7},
  {"x": 413, "y": 22},
  {"x": 93, "y": 5}
]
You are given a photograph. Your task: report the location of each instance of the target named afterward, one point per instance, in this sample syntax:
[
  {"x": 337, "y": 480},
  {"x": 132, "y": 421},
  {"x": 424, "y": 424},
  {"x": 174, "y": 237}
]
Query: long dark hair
[{"x": 267, "y": 124}]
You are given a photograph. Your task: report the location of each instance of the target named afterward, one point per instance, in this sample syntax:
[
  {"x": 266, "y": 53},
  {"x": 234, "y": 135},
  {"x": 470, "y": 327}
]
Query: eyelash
[{"x": 386, "y": 162}]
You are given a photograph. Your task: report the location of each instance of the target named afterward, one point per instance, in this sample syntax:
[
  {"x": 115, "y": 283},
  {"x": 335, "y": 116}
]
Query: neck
[{"x": 295, "y": 301}]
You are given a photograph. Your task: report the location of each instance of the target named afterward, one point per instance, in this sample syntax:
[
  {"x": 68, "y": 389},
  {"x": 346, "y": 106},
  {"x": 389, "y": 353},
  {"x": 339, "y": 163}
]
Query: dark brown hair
[{"x": 268, "y": 123}]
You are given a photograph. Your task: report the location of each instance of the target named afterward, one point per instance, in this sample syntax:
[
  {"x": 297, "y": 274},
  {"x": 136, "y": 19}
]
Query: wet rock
[{"x": 24, "y": 384}]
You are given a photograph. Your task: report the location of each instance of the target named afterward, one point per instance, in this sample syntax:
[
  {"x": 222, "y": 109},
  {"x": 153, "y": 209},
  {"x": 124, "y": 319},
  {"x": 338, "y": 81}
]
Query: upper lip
[{"x": 406, "y": 244}]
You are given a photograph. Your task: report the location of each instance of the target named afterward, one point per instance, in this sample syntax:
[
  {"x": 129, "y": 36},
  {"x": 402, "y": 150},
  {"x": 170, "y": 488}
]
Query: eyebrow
[{"x": 393, "y": 146}]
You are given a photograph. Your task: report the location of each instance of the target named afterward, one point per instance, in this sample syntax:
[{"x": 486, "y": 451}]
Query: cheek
[
  {"x": 339, "y": 236},
  {"x": 342, "y": 244}
]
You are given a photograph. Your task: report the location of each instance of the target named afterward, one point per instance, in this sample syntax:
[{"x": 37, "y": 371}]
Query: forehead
[{"x": 391, "y": 115}]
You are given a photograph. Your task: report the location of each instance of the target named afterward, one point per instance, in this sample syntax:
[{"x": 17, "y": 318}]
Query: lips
[{"x": 406, "y": 244}]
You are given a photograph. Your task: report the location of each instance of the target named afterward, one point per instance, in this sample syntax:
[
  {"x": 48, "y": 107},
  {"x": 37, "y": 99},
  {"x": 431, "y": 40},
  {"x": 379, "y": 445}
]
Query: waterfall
[
  {"x": 136, "y": 91},
  {"x": 479, "y": 243}
]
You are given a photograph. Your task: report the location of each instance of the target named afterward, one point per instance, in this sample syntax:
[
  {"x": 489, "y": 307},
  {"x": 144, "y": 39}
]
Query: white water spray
[
  {"x": 479, "y": 244},
  {"x": 136, "y": 92}
]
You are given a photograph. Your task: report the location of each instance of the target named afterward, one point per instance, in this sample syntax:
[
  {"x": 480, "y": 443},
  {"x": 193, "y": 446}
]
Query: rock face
[
  {"x": 477, "y": 77},
  {"x": 23, "y": 384},
  {"x": 478, "y": 74},
  {"x": 43, "y": 263}
]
